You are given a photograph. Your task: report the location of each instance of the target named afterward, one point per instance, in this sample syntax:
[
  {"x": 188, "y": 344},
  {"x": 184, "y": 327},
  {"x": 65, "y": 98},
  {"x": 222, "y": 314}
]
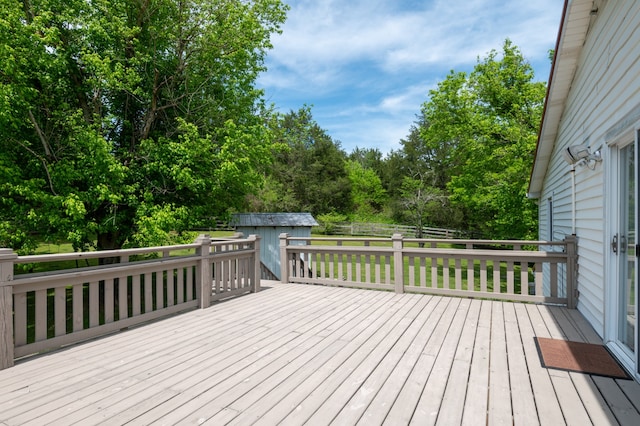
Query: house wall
[
  {"x": 605, "y": 89},
  {"x": 270, "y": 242}
]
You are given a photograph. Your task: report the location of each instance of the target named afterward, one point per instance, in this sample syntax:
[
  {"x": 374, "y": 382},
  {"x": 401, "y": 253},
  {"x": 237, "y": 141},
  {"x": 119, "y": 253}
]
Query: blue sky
[{"x": 366, "y": 66}]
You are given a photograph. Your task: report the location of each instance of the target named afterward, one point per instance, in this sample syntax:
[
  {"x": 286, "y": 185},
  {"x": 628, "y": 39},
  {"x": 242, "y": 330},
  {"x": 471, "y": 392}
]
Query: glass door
[{"x": 624, "y": 245}]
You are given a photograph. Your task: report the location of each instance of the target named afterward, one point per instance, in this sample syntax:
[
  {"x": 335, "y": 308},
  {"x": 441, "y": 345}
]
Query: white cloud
[
  {"x": 322, "y": 34},
  {"x": 368, "y": 59}
]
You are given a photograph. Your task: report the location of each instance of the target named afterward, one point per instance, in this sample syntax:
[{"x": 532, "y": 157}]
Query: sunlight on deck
[{"x": 300, "y": 354}]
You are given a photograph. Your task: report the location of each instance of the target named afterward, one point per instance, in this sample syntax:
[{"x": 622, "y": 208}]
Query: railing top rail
[
  {"x": 104, "y": 270},
  {"x": 478, "y": 253},
  {"x": 435, "y": 240},
  {"x": 102, "y": 253},
  {"x": 350, "y": 239},
  {"x": 122, "y": 252},
  {"x": 425, "y": 251},
  {"x": 486, "y": 242}
]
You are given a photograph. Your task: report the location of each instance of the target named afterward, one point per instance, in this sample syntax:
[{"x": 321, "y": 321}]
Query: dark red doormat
[{"x": 580, "y": 357}]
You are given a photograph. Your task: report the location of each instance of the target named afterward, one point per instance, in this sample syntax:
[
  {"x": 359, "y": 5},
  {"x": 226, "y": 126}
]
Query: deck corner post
[
  {"x": 284, "y": 259},
  {"x": 203, "y": 273},
  {"x": 7, "y": 259},
  {"x": 398, "y": 264},
  {"x": 571, "y": 243},
  {"x": 257, "y": 272}
]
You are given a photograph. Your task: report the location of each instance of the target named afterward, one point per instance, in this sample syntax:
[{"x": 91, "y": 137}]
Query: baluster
[
  {"x": 496, "y": 277},
  {"x": 108, "y": 301},
  {"x": 77, "y": 298},
  {"x": 94, "y": 304},
  {"x": 60, "y": 310},
  {"x": 458, "y": 274},
  {"x": 41, "y": 315},
  {"x": 510, "y": 278}
]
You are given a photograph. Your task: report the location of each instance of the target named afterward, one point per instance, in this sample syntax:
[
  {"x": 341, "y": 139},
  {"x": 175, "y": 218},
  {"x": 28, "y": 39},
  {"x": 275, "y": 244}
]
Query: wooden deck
[{"x": 300, "y": 354}]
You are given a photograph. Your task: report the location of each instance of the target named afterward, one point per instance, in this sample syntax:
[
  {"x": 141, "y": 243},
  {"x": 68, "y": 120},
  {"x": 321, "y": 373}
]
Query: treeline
[
  {"x": 126, "y": 123},
  {"x": 465, "y": 163}
]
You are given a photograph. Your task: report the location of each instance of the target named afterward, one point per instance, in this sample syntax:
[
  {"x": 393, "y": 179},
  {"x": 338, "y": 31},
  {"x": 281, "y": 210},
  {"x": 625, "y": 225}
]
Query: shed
[{"x": 269, "y": 226}]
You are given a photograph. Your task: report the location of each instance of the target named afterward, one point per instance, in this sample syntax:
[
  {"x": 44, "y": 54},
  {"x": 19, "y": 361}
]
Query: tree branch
[
  {"x": 44, "y": 164},
  {"x": 43, "y": 139}
]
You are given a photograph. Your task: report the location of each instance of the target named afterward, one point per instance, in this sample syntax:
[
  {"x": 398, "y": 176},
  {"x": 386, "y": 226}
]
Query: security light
[{"x": 577, "y": 154}]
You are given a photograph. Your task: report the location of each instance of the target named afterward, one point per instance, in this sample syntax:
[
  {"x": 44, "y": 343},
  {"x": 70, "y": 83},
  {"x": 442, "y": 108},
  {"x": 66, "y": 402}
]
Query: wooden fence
[
  {"x": 469, "y": 268},
  {"x": 43, "y": 311},
  {"x": 387, "y": 230}
]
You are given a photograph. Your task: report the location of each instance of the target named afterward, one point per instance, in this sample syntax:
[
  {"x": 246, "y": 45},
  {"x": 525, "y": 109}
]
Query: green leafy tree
[
  {"x": 430, "y": 161},
  {"x": 367, "y": 194},
  {"x": 482, "y": 128},
  {"x": 121, "y": 121}
]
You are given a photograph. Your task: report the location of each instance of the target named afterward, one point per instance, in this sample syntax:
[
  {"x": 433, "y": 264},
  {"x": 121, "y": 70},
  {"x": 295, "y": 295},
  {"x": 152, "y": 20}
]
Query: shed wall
[{"x": 270, "y": 242}]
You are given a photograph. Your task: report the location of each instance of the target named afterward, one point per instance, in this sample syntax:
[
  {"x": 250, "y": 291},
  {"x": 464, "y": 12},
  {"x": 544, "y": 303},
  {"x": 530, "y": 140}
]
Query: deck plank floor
[{"x": 296, "y": 354}]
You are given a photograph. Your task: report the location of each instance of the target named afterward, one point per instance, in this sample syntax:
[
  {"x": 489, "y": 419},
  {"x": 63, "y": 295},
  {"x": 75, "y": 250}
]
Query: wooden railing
[
  {"x": 43, "y": 311},
  {"x": 471, "y": 268}
]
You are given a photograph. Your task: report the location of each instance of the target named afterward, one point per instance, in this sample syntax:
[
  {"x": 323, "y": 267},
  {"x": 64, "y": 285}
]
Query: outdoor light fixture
[{"x": 581, "y": 155}]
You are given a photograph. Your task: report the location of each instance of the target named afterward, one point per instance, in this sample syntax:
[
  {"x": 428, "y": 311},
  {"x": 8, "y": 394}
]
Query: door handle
[
  {"x": 614, "y": 244},
  {"x": 623, "y": 244}
]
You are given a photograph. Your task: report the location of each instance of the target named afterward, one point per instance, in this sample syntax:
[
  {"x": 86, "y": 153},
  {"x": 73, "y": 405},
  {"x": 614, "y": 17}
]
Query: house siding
[{"x": 604, "y": 89}]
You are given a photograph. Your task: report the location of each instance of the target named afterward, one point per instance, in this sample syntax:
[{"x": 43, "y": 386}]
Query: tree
[
  {"x": 417, "y": 200},
  {"x": 310, "y": 174},
  {"x": 394, "y": 168},
  {"x": 369, "y": 158},
  {"x": 485, "y": 126},
  {"x": 431, "y": 161},
  {"x": 124, "y": 120},
  {"x": 368, "y": 197}
]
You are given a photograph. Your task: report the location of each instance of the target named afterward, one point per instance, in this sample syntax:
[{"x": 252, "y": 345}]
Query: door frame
[{"x": 612, "y": 219}]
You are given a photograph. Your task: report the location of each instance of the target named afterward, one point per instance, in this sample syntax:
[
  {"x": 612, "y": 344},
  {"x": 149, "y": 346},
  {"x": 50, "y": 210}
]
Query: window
[{"x": 550, "y": 219}]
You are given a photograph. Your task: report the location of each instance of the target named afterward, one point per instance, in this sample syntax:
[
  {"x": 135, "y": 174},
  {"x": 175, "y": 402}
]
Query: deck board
[
  {"x": 477, "y": 395},
  {"x": 428, "y": 407},
  {"x": 365, "y": 349},
  {"x": 524, "y": 409},
  {"x": 379, "y": 407},
  {"x": 500, "y": 412},
  {"x": 404, "y": 406},
  {"x": 378, "y": 373},
  {"x": 296, "y": 354},
  {"x": 453, "y": 399}
]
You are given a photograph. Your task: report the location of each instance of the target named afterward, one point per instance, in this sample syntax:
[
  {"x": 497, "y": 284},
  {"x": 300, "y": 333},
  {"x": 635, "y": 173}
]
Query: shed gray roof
[{"x": 273, "y": 219}]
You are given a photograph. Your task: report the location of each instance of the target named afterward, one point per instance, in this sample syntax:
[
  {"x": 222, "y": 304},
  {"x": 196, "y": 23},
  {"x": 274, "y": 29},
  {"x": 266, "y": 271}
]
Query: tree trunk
[{"x": 109, "y": 241}]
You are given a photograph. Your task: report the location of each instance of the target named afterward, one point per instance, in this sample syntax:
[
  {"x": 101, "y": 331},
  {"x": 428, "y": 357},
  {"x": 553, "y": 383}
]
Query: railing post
[
  {"x": 7, "y": 258},
  {"x": 398, "y": 264},
  {"x": 284, "y": 260},
  {"x": 257, "y": 262},
  {"x": 203, "y": 273},
  {"x": 571, "y": 243}
]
